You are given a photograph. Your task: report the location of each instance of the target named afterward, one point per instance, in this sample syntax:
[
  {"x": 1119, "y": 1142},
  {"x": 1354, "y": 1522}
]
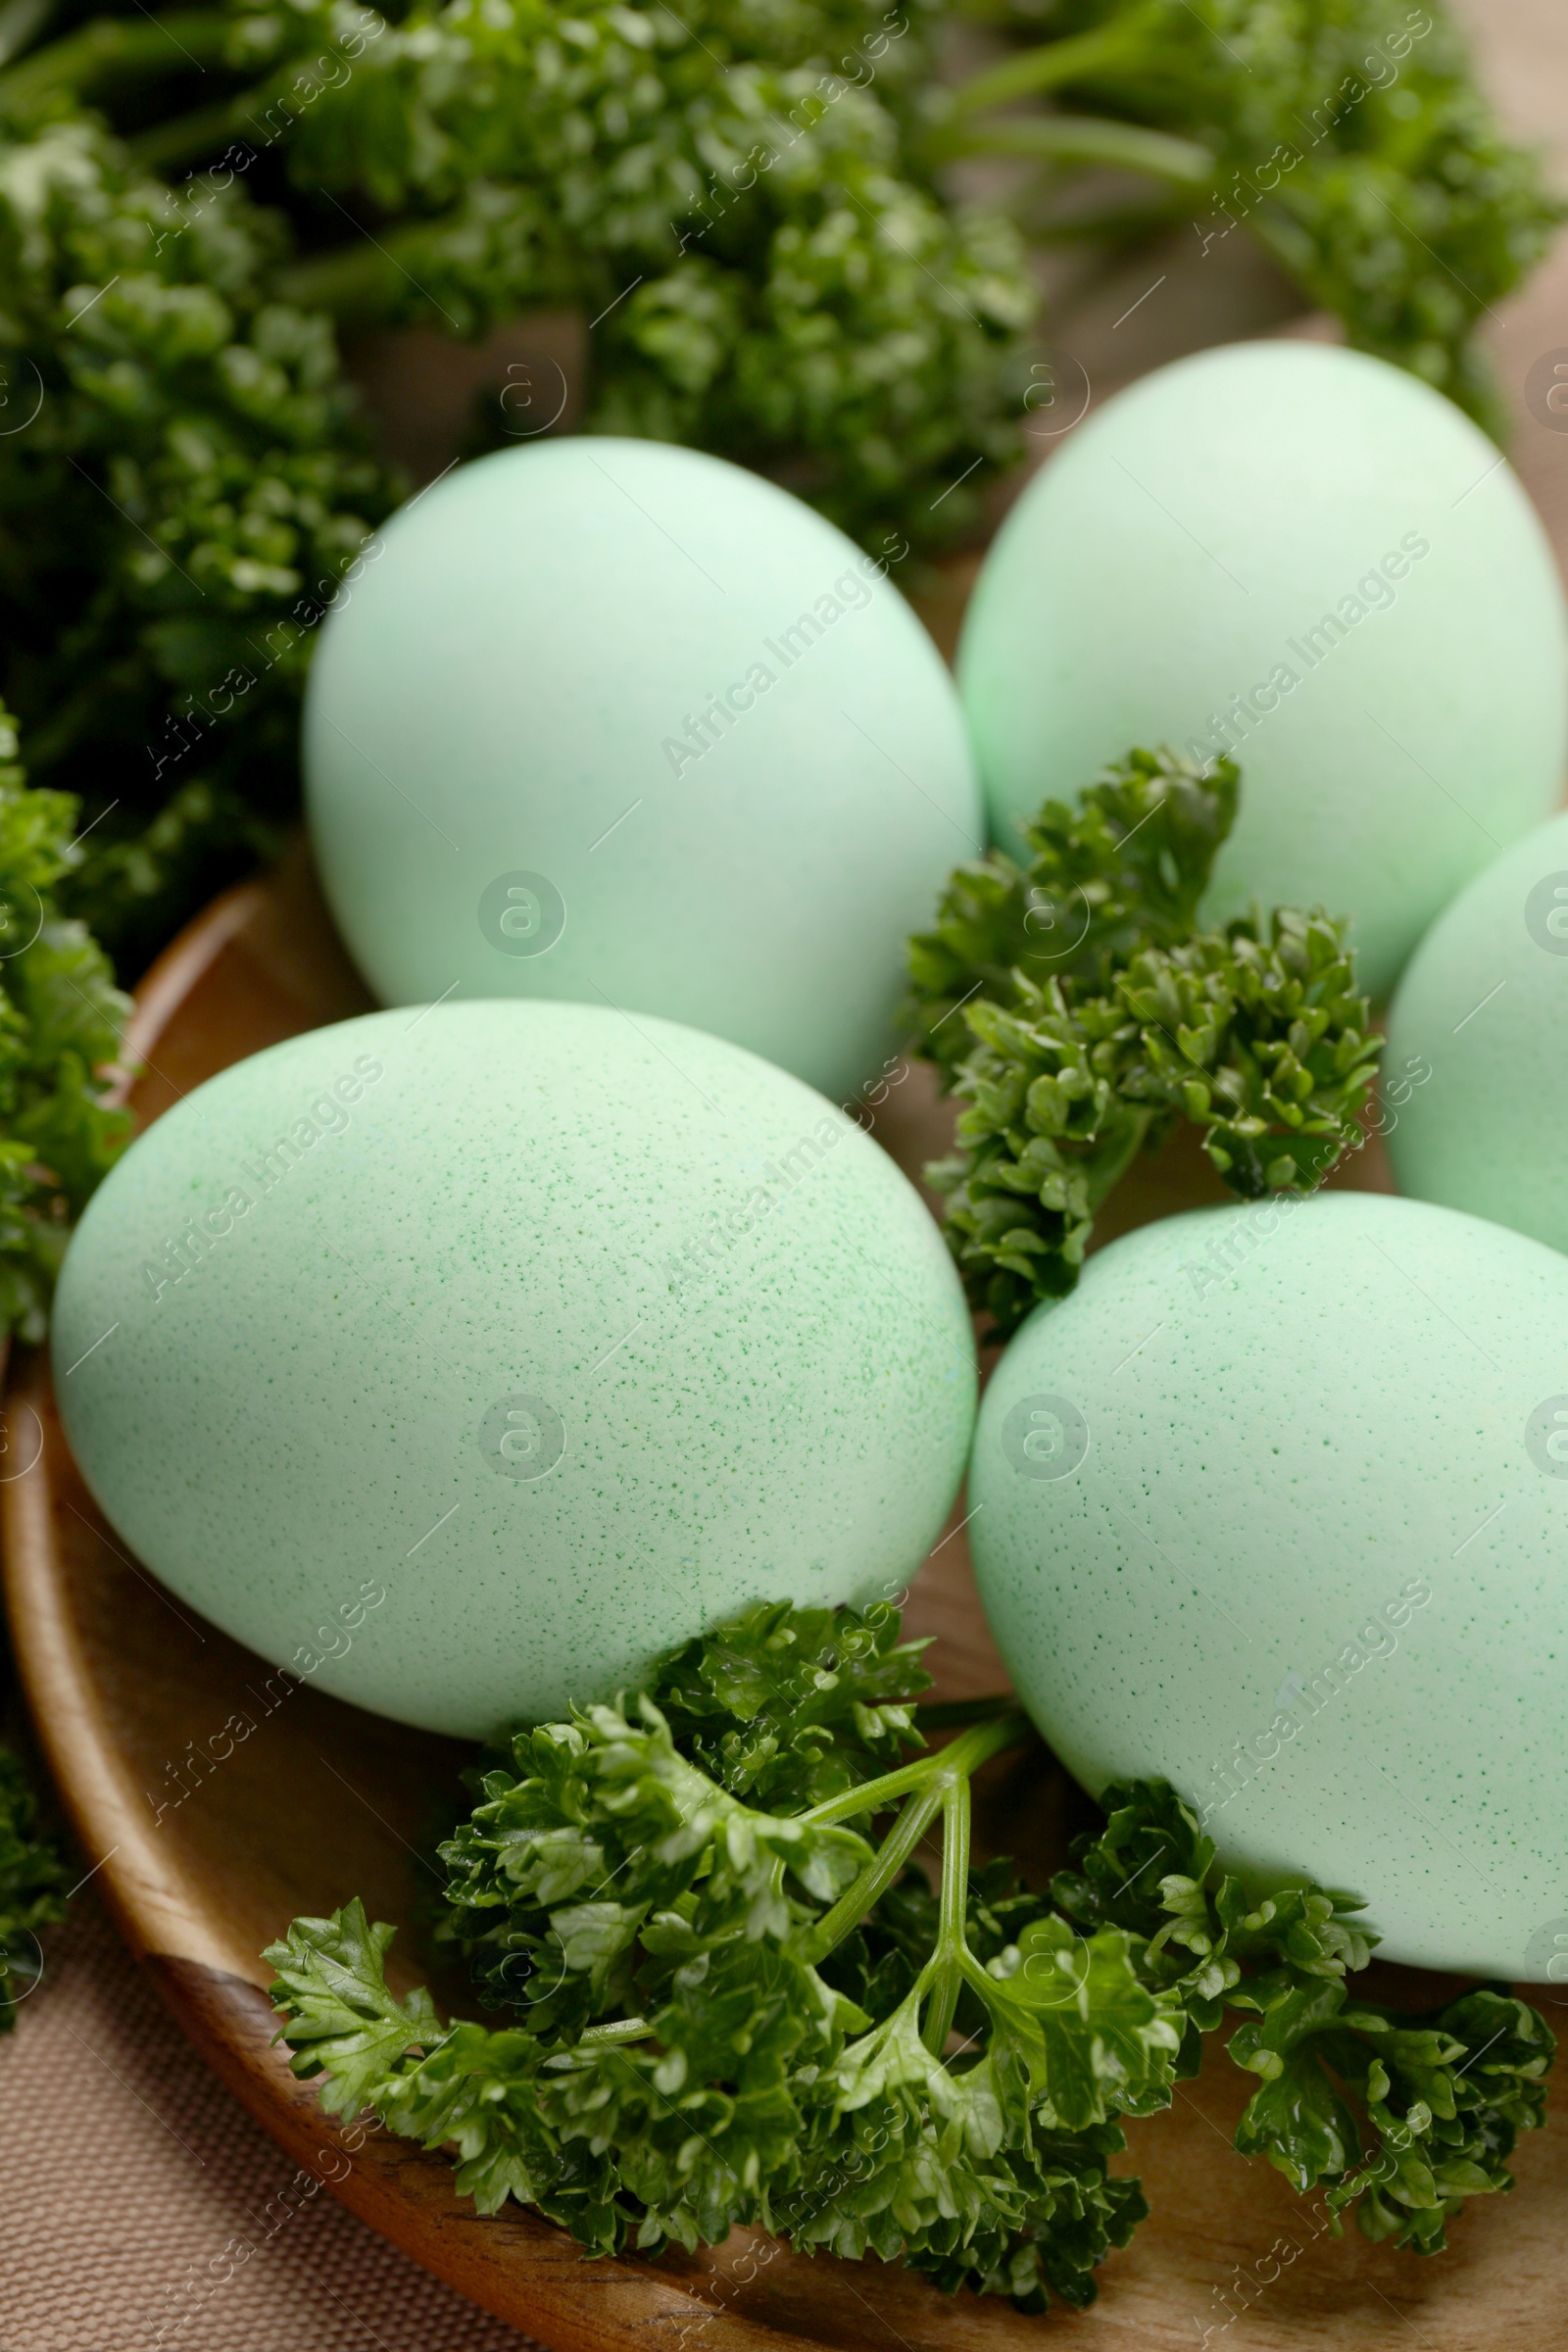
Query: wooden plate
[{"x": 218, "y": 1800}]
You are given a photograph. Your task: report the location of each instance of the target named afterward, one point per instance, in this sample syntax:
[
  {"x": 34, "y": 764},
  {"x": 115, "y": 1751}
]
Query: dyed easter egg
[
  {"x": 1275, "y": 1506},
  {"x": 461, "y": 1361},
  {"x": 1309, "y": 560},
  {"x": 618, "y": 722},
  {"x": 1477, "y": 1088}
]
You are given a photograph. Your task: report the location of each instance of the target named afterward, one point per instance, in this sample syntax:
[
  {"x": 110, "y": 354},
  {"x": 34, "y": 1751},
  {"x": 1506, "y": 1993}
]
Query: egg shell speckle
[
  {"x": 569, "y": 1335},
  {"x": 1476, "y": 1070},
  {"x": 1301, "y": 1552},
  {"x": 518, "y": 697},
  {"x": 1274, "y": 512}
]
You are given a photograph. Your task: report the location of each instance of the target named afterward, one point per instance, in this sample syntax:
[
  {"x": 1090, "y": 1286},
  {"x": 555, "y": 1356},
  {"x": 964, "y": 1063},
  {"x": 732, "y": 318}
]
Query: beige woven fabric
[{"x": 130, "y": 2180}]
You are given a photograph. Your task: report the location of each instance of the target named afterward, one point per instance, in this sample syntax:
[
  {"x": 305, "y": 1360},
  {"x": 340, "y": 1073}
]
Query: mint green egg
[
  {"x": 1309, "y": 560},
  {"x": 617, "y": 722},
  {"x": 461, "y": 1361},
  {"x": 1275, "y": 1506},
  {"x": 1476, "y": 1070}
]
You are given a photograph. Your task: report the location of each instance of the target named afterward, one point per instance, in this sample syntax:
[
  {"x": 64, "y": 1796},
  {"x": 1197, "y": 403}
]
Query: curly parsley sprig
[
  {"x": 734, "y": 2000},
  {"x": 1348, "y": 136},
  {"x": 1077, "y": 1009},
  {"x": 1401, "y": 2115},
  {"x": 740, "y": 2008}
]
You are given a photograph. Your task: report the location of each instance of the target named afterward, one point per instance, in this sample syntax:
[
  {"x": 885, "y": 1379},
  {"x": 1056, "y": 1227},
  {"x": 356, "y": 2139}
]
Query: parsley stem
[
  {"x": 164, "y": 146},
  {"x": 953, "y": 1914},
  {"x": 874, "y": 1796},
  {"x": 929, "y": 1784},
  {"x": 1075, "y": 139},
  {"x": 987, "y": 1738},
  {"x": 111, "y": 56},
  {"x": 956, "y": 1714},
  {"x": 977, "y": 1976},
  {"x": 879, "y": 1874},
  {"x": 1077, "y": 58},
  {"x": 618, "y": 2029},
  {"x": 361, "y": 281}
]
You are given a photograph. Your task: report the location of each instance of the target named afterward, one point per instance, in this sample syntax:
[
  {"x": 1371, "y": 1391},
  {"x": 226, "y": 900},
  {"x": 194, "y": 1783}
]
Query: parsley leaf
[{"x": 343, "y": 2020}]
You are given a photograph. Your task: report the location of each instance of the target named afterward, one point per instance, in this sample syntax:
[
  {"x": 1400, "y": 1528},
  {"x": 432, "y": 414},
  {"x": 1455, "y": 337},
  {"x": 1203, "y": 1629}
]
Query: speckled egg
[
  {"x": 1314, "y": 562},
  {"x": 1477, "y": 1086},
  {"x": 1275, "y": 1505},
  {"x": 616, "y": 721},
  {"x": 463, "y": 1360}
]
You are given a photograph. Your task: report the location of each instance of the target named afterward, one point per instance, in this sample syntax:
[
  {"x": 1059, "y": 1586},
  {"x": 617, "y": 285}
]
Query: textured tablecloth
[
  {"x": 132, "y": 2189},
  {"x": 130, "y": 2182}
]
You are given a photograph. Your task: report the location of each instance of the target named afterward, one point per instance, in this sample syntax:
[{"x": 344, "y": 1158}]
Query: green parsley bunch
[
  {"x": 733, "y": 1999},
  {"x": 1348, "y": 136},
  {"x": 62, "y": 1022},
  {"x": 1078, "y": 1008},
  {"x": 182, "y": 490},
  {"x": 730, "y": 195}
]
